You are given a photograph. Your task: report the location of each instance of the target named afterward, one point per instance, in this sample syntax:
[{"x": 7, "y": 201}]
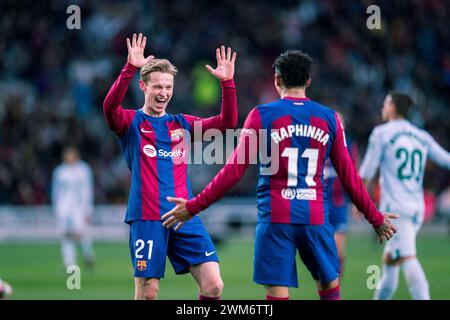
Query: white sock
[
  {"x": 68, "y": 252},
  {"x": 87, "y": 248},
  {"x": 388, "y": 283},
  {"x": 416, "y": 279}
]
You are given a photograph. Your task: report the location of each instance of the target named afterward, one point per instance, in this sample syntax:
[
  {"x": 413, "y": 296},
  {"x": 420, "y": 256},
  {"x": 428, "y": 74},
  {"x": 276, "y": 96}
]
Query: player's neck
[
  {"x": 151, "y": 113},
  {"x": 293, "y": 93},
  {"x": 396, "y": 117}
]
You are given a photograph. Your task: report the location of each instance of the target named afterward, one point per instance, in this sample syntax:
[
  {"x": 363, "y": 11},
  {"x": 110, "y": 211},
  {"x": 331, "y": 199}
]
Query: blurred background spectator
[{"x": 53, "y": 80}]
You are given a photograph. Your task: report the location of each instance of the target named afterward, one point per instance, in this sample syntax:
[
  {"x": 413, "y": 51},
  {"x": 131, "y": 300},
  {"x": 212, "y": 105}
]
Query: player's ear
[
  {"x": 308, "y": 82},
  {"x": 277, "y": 82},
  {"x": 142, "y": 85},
  {"x": 394, "y": 109}
]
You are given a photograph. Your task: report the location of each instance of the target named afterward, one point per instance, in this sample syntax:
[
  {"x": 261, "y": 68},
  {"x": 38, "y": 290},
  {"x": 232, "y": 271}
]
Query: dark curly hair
[{"x": 294, "y": 68}]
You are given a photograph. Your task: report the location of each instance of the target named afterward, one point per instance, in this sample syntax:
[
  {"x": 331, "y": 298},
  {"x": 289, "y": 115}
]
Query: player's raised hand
[
  {"x": 179, "y": 214},
  {"x": 225, "y": 64},
  {"x": 136, "y": 49},
  {"x": 387, "y": 230}
]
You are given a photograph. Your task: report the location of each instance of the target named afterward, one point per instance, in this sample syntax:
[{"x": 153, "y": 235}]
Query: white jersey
[
  {"x": 72, "y": 190},
  {"x": 400, "y": 150}
]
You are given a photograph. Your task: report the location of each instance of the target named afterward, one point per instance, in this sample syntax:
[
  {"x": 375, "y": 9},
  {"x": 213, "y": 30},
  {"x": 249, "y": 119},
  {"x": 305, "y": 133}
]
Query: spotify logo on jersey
[{"x": 150, "y": 150}]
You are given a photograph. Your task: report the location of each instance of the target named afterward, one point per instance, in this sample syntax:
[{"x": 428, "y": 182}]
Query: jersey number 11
[{"x": 292, "y": 154}]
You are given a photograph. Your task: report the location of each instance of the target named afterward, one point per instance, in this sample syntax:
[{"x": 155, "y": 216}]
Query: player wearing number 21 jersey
[
  {"x": 400, "y": 150},
  {"x": 152, "y": 142},
  {"x": 291, "y": 197}
]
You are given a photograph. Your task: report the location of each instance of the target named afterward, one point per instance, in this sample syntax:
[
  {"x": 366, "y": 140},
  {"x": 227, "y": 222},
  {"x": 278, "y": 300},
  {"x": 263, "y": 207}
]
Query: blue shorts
[
  {"x": 151, "y": 242},
  {"x": 275, "y": 251},
  {"x": 339, "y": 218}
]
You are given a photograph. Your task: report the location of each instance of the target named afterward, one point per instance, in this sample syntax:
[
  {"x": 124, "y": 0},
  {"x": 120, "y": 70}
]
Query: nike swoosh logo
[
  {"x": 209, "y": 253},
  {"x": 146, "y": 131}
]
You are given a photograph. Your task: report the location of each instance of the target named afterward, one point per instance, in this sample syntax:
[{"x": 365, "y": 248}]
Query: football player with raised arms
[{"x": 150, "y": 141}]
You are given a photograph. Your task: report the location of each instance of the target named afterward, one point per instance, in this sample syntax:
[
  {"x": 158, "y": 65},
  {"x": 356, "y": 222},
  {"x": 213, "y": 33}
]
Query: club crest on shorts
[{"x": 141, "y": 265}]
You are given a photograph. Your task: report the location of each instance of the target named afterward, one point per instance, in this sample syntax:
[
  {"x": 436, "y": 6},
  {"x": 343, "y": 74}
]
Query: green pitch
[{"x": 35, "y": 272}]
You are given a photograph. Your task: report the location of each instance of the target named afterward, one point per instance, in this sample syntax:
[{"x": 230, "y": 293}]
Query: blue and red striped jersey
[
  {"x": 155, "y": 148},
  {"x": 298, "y": 135},
  {"x": 337, "y": 196},
  {"x": 156, "y": 156}
]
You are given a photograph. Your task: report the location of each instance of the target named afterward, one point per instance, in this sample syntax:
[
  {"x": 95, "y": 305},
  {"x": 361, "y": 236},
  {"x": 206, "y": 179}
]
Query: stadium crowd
[{"x": 53, "y": 80}]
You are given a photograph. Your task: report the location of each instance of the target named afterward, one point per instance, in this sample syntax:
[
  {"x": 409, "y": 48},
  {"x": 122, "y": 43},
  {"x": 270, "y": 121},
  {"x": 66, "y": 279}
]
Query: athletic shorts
[
  {"x": 338, "y": 218},
  {"x": 276, "y": 245},
  {"x": 72, "y": 224},
  {"x": 151, "y": 243},
  {"x": 403, "y": 243}
]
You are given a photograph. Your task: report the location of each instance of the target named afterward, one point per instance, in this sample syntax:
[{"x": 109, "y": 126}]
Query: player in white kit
[
  {"x": 72, "y": 202},
  {"x": 400, "y": 150}
]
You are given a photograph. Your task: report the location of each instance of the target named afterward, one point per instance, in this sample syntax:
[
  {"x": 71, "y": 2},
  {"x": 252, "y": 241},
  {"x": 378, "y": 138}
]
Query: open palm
[
  {"x": 225, "y": 64},
  {"x": 136, "y": 51}
]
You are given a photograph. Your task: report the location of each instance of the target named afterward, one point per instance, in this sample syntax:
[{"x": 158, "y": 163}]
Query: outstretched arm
[
  {"x": 371, "y": 163},
  {"x": 227, "y": 119},
  {"x": 245, "y": 154},
  {"x": 117, "y": 118},
  {"x": 372, "y": 158},
  {"x": 355, "y": 187},
  {"x": 437, "y": 153}
]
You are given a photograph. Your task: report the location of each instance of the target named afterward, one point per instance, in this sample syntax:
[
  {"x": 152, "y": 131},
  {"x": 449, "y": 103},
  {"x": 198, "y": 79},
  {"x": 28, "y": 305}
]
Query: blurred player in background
[
  {"x": 400, "y": 150},
  {"x": 292, "y": 208},
  {"x": 5, "y": 290},
  {"x": 152, "y": 144},
  {"x": 338, "y": 200},
  {"x": 72, "y": 201}
]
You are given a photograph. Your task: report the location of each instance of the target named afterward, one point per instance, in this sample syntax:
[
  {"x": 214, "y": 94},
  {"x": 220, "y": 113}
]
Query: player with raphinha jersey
[
  {"x": 292, "y": 203},
  {"x": 153, "y": 144},
  {"x": 400, "y": 150}
]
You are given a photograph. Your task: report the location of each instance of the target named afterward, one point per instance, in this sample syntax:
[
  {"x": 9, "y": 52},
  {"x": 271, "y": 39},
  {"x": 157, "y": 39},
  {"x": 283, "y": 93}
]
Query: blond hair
[{"x": 161, "y": 65}]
